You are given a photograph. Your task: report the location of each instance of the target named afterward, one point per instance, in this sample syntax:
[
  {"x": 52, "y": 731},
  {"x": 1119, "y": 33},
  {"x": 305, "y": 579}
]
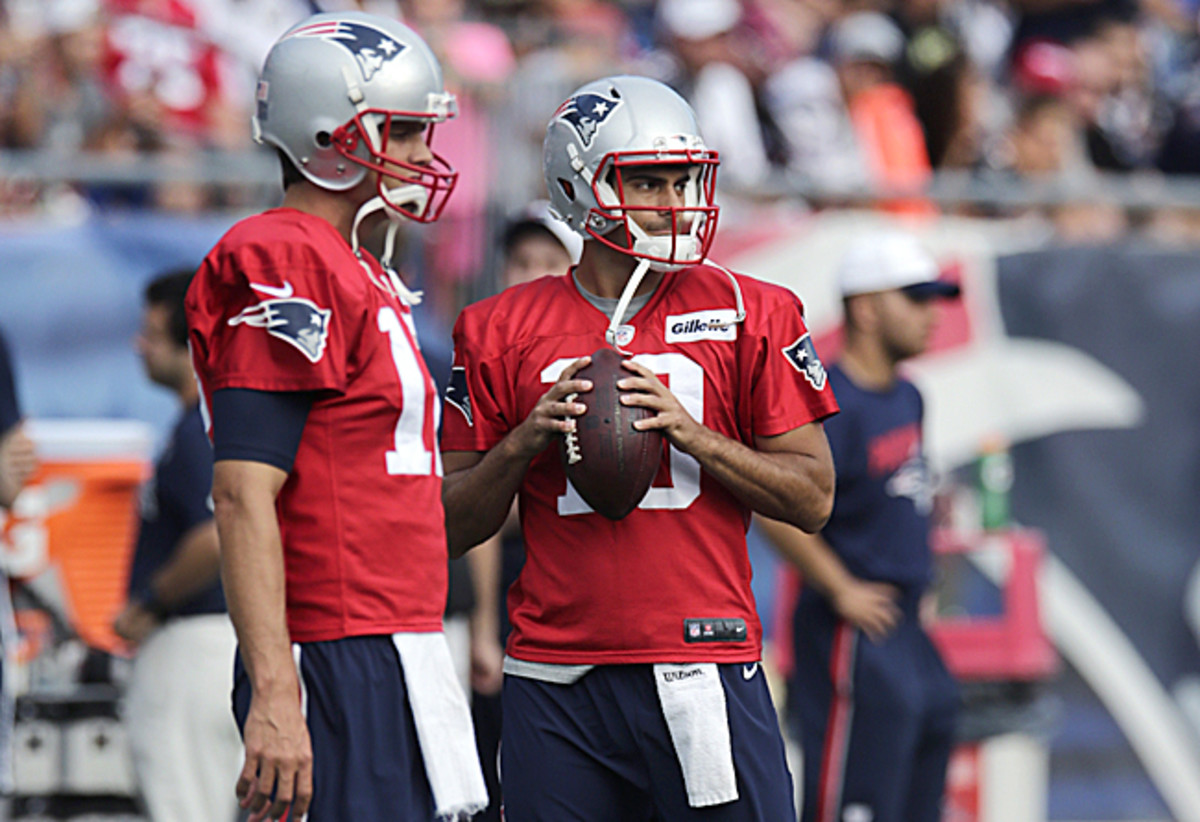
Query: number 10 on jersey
[{"x": 686, "y": 380}]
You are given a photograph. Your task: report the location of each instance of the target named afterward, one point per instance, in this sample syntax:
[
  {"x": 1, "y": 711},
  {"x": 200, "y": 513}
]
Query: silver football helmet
[
  {"x": 329, "y": 93},
  {"x": 608, "y": 126}
]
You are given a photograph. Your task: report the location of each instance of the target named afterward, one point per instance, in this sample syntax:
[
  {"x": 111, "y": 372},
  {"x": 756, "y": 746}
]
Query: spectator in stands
[
  {"x": 51, "y": 97},
  {"x": 59, "y": 98},
  {"x": 948, "y": 95},
  {"x": 1125, "y": 130},
  {"x": 562, "y": 44},
  {"x": 865, "y": 47},
  {"x": 721, "y": 81},
  {"x": 1053, "y": 88},
  {"x": 186, "y": 748},
  {"x": 806, "y": 100}
]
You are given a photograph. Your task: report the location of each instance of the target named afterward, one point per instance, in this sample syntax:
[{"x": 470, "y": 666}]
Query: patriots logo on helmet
[
  {"x": 296, "y": 321},
  {"x": 371, "y": 48},
  {"x": 802, "y": 354},
  {"x": 458, "y": 395},
  {"x": 586, "y": 113}
]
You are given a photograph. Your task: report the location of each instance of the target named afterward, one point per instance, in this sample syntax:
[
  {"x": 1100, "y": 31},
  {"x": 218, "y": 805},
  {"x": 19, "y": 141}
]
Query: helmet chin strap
[
  {"x": 390, "y": 200},
  {"x": 631, "y": 286},
  {"x": 395, "y": 197},
  {"x": 635, "y": 280}
]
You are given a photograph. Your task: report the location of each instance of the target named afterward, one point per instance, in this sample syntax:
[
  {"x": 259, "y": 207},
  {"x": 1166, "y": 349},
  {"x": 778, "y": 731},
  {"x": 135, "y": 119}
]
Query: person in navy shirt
[
  {"x": 870, "y": 699},
  {"x": 186, "y": 748}
]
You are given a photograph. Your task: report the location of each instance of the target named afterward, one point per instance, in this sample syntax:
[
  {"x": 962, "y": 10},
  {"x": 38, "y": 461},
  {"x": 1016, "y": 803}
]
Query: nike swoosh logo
[
  {"x": 748, "y": 671},
  {"x": 274, "y": 290}
]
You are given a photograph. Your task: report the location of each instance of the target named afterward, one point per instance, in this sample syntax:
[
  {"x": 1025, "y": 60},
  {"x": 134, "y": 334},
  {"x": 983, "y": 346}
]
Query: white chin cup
[
  {"x": 686, "y": 247},
  {"x": 410, "y": 198}
]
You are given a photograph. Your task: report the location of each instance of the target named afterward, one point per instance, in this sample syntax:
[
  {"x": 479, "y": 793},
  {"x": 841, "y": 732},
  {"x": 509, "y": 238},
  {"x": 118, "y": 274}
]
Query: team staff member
[
  {"x": 184, "y": 741},
  {"x": 631, "y": 686},
  {"x": 327, "y": 479},
  {"x": 870, "y": 699}
]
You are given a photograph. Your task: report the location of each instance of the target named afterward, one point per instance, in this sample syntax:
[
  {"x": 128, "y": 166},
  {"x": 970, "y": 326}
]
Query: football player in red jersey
[
  {"x": 327, "y": 479},
  {"x": 632, "y": 688}
]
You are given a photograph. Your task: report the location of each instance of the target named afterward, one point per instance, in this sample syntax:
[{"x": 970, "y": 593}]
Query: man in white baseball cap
[
  {"x": 889, "y": 260},
  {"x": 868, "y": 687}
]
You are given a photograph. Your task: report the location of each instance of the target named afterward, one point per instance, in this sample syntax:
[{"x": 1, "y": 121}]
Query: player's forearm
[
  {"x": 252, "y": 573},
  {"x": 793, "y": 487},
  {"x": 195, "y": 565},
  {"x": 478, "y": 498}
]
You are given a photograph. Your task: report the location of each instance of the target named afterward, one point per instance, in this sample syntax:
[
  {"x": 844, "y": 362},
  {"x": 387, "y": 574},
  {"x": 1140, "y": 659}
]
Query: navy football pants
[
  {"x": 875, "y": 720},
  {"x": 598, "y": 750},
  {"x": 367, "y": 763}
]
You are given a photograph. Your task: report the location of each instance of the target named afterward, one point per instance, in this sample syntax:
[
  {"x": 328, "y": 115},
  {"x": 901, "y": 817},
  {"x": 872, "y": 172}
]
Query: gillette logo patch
[{"x": 714, "y": 324}]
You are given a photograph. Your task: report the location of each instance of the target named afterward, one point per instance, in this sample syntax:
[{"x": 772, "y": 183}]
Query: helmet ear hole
[
  {"x": 324, "y": 139},
  {"x": 567, "y": 188}
]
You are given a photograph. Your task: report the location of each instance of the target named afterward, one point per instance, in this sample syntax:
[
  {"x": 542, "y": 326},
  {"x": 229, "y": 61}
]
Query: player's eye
[{"x": 405, "y": 130}]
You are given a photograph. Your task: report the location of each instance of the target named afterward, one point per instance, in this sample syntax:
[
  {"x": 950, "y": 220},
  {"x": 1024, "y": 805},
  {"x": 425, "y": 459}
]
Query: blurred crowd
[{"x": 845, "y": 101}]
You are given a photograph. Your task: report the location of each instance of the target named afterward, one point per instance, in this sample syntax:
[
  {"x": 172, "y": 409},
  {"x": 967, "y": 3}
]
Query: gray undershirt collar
[{"x": 607, "y": 305}]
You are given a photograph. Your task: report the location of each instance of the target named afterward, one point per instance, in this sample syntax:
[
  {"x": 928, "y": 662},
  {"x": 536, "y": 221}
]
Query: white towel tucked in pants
[
  {"x": 443, "y": 722},
  {"x": 693, "y": 704}
]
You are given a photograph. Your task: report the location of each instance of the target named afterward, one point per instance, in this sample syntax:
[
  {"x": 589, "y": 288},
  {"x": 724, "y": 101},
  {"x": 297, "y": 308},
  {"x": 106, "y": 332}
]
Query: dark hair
[
  {"x": 291, "y": 174},
  {"x": 168, "y": 290},
  {"x": 523, "y": 229},
  {"x": 1033, "y": 106},
  {"x": 936, "y": 69}
]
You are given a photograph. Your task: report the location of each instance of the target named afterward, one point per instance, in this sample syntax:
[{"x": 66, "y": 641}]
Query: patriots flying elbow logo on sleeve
[
  {"x": 371, "y": 48},
  {"x": 457, "y": 394},
  {"x": 295, "y": 320},
  {"x": 586, "y": 113},
  {"x": 802, "y": 354}
]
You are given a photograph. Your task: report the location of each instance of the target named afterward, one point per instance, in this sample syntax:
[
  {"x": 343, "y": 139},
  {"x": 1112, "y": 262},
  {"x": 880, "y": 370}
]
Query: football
[{"x": 610, "y": 463}]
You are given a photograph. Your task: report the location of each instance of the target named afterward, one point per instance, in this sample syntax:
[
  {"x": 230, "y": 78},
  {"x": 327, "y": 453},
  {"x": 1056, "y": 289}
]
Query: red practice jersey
[
  {"x": 282, "y": 304},
  {"x": 664, "y": 583}
]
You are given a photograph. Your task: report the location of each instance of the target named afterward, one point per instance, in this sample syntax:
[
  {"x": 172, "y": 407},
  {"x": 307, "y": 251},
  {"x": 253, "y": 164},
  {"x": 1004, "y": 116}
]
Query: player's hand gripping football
[
  {"x": 555, "y": 412},
  {"x": 279, "y": 757},
  {"x": 647, "y": 390}
]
